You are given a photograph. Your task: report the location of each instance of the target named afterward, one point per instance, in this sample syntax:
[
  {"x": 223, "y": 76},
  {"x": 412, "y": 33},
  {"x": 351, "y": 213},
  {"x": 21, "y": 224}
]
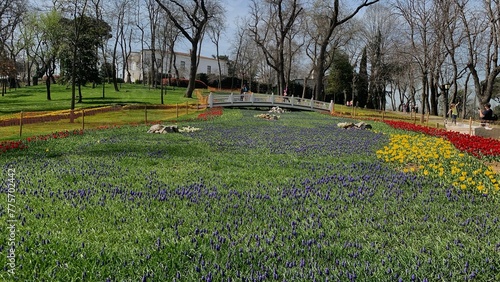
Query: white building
[{"x": 182, "y": 62}]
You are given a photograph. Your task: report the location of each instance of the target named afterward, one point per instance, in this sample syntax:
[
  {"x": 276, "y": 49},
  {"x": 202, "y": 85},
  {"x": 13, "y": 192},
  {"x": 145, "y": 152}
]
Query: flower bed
[
  {"x": 474, "y": 145},
  {"x": 243, "y": 200}
]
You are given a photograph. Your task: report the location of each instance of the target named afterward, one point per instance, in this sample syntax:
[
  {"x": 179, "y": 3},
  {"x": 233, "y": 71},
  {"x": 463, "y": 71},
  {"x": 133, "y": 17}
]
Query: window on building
[
  {"x": 183, "y": 65},
  {"x": 209, "y": 69}
]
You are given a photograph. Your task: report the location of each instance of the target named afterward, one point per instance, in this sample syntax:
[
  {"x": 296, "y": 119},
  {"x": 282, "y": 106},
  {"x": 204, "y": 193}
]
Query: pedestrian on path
[{"x": 453, "y": 112}]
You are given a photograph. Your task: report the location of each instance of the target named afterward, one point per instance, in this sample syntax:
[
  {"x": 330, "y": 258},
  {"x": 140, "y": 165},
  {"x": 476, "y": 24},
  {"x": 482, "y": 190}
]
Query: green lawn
[
  {"x": 242, "y": 199},
  {"x": 34, "y": 98}
]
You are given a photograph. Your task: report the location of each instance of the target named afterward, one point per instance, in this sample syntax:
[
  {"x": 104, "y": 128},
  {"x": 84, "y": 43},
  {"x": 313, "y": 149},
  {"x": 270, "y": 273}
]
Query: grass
[
  {"x": 297, "y": 199},
  {"x": 34, "y": 98},
  {"x": 32, "y": 101}
]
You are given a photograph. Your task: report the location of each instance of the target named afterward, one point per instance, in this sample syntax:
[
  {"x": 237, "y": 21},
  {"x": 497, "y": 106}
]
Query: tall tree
[
  {"x": 334, "y": 18},
  {"x": 215, "y": 29},
  {"x": 340, "y": 79},
  {"x": 11, "y": 16},
  {"x": 418, "y": 16},
  {"x": 482, "y": 34},
  {"x": 362, "y": 81},
  {"x": 50, "y": 40},
  {"x": 271, "y": 24},
  {"x": 198, "y": 13},
  {"x": 79, "y": 58},
  {"x": 154, "y": 18},
  {"x": 120, "y": 12}
]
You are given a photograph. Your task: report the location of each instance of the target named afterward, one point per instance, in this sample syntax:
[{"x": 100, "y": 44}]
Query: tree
[
  {"x": 418, "y": 16},
  {"x": 270, "y": 26},
  {"x": 340, "y": 79},
  {"x": 79, "y": 56},
  {"x": 119, "y": 15},
  {"x": 49, "y": 45},
  {"x": 334, "y": 18},
  {"x": 362, "y": 81},
  {"x": 482, "y": 35},
  {"x": 11, "y": 15},
  {"x": 7, "y": 69},
  {"x": 198, "y": 14},
  {"x": 214, "y": 32}
]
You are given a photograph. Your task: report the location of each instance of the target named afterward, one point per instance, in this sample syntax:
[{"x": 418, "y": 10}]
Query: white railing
[{"x": 246, "y": 99}]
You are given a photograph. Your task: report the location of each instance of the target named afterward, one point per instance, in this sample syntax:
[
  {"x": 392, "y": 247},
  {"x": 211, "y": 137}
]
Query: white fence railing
[{"x": 247, "y": 99}]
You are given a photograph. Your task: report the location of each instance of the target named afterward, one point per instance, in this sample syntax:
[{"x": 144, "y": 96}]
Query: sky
[{"x": 235, "y": 9}]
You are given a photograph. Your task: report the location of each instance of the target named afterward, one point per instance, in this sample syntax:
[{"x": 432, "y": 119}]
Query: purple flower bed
[{"x": 243, "y": 199}]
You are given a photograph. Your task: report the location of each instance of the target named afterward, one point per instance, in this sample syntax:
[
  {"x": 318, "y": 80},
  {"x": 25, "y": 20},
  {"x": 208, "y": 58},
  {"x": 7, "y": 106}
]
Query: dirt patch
[{"x": 494, "y": 165}]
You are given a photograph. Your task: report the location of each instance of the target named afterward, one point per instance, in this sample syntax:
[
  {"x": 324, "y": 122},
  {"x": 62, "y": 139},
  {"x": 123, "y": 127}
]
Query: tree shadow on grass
[{"x": 17, "y": 95}]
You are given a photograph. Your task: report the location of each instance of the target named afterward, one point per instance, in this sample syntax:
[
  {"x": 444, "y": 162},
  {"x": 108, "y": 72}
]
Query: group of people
[
  {"x": 485, "y": 115},
  {"x": 407, "y": 108}
]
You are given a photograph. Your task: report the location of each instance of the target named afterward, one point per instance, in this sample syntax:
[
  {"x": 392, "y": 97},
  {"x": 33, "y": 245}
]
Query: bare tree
[
  {"x": 154, "y": 18},
  {"x": 482, "y": 34},
  {"x": 139, "y": 23},
  {"x": 198, "y": 14},
  {"x": 334, "y": 18},
  {"x": 238, "y": 46},
  {"x": 215, "y": 29},
  {"x": 418, "y": 16},
  {"x": 163, "y": 37},
  {"x": 121, "y": 8},
  {"x": 271, "y": 24},
  {"x": 449, "y": 25},
  {"x": 380, "y": 32}
]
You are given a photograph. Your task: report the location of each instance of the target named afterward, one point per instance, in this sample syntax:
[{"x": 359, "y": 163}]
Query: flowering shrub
[{"x": 474, "y": 145}]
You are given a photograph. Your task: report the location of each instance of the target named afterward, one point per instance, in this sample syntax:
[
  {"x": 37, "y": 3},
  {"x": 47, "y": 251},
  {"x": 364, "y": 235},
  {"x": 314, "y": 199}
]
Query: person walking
[{"x": 453, "y": 112}]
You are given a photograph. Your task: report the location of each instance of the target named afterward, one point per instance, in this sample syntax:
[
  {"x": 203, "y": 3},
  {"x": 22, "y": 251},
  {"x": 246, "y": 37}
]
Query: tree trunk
[
  {"x": 47, "y": 86},
  {"x": 80, "y": 98},
  {"x": 192, "y": 71},
  {"x": 320, "y": 75}
]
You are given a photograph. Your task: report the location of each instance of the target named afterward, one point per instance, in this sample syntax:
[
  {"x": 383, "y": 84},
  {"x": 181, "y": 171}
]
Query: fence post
[
  {"x": 21, "y": 125},
  {"x": 210, "y": 100},
  {"x": 470, "y": 126}
]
